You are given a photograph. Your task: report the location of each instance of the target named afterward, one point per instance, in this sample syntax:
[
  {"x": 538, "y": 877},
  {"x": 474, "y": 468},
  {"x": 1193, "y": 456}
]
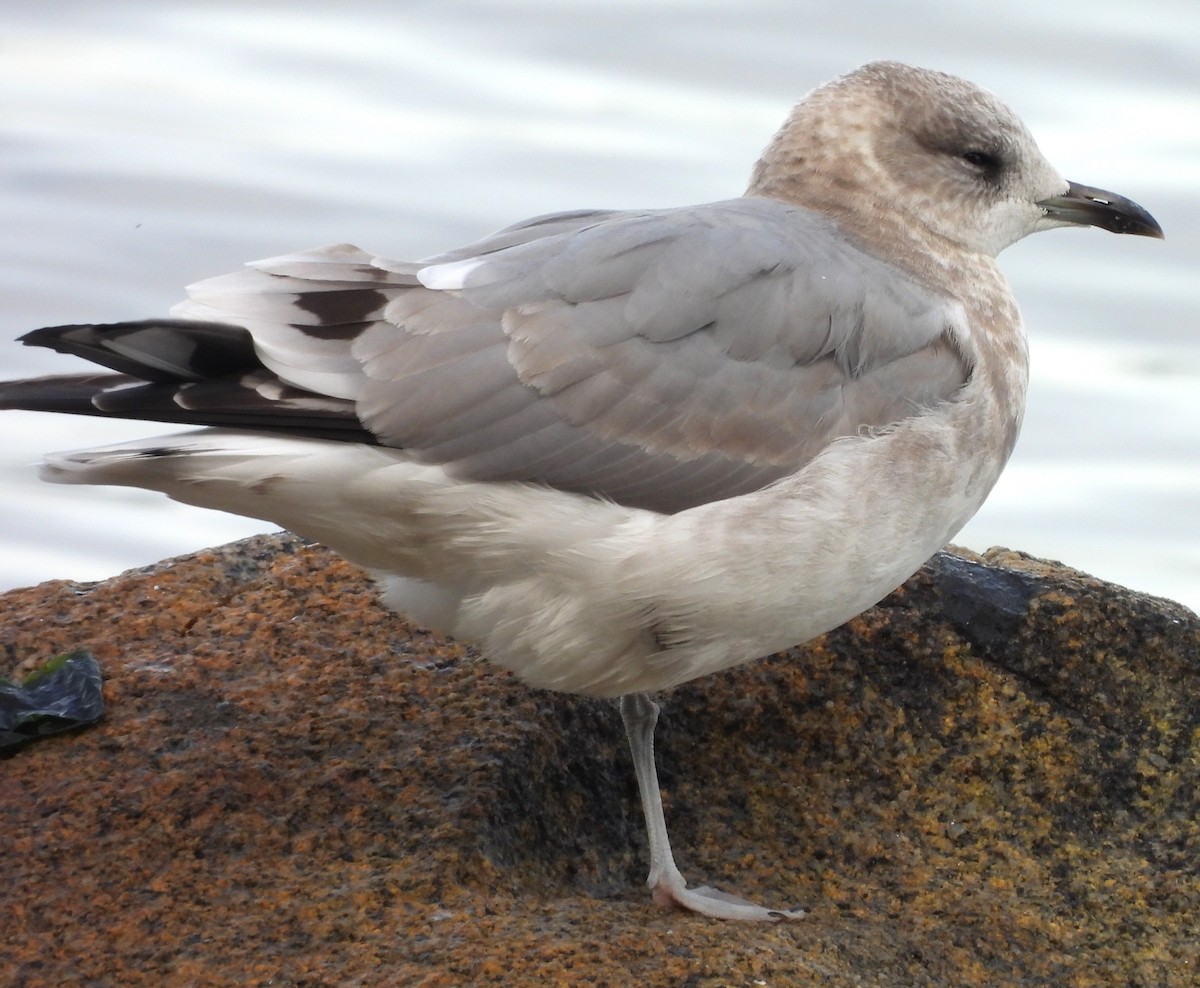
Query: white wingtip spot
[{"x": 448, "y": 277}]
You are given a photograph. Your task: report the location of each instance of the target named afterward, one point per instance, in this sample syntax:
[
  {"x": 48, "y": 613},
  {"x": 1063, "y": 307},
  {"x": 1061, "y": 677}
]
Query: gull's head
[{"x": 890, "y": 142}]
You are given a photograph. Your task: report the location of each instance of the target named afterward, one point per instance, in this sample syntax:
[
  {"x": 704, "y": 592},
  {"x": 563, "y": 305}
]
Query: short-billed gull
[{"x": 621, "y": 450}]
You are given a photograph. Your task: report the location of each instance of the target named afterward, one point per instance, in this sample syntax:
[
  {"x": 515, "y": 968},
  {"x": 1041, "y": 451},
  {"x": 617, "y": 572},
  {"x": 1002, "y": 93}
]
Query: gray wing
[{"x": 661, "y": 358}]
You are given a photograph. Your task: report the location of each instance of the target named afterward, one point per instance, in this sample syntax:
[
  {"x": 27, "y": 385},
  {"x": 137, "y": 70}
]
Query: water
[{"x": 146, "y": 145}]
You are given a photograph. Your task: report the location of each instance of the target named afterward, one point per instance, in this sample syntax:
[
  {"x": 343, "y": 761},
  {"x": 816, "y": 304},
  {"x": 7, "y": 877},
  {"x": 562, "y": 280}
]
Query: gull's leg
[{"x": 640, "y": 714}]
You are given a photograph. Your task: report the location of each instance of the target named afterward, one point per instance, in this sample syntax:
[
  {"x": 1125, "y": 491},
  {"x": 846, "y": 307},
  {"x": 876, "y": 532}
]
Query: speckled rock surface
[{"x": 991, "y": 778}]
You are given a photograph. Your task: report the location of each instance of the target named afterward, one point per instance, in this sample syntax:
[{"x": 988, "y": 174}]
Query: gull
[{"x": 624, "y": 449}]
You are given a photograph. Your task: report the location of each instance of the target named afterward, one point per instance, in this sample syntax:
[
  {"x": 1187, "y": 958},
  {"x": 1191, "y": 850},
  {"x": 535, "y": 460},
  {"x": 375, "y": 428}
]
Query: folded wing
[{"x": 661, "y": 358}]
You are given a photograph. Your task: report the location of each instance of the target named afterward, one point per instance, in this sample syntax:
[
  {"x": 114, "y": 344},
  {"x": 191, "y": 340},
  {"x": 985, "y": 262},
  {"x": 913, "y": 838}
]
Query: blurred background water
[{"x": 145, "y": 145}]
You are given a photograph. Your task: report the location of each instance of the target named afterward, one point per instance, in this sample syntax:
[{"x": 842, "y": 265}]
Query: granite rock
[{"x": 990, "y": 778}]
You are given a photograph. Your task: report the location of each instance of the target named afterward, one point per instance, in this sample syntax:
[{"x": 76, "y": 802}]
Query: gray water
[{"x": 145, "y": 145}]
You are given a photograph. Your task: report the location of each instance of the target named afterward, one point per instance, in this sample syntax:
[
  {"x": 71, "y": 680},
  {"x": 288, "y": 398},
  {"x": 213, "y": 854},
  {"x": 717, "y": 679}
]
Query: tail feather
[
  {"x": 359, "y": 500},
  {"x": 166, "y": 463}
]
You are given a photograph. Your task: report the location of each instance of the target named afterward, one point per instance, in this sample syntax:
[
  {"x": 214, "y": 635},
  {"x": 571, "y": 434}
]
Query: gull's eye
[{"x": 983, "y": 161}]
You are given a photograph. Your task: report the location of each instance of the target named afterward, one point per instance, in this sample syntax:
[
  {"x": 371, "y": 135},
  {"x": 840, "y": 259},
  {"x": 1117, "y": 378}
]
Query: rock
[{"x": 991, "y": 778}]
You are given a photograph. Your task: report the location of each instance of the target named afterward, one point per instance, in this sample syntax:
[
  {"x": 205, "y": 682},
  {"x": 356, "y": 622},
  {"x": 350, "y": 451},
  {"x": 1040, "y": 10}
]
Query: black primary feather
[{"x": 179, "y": 371}]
